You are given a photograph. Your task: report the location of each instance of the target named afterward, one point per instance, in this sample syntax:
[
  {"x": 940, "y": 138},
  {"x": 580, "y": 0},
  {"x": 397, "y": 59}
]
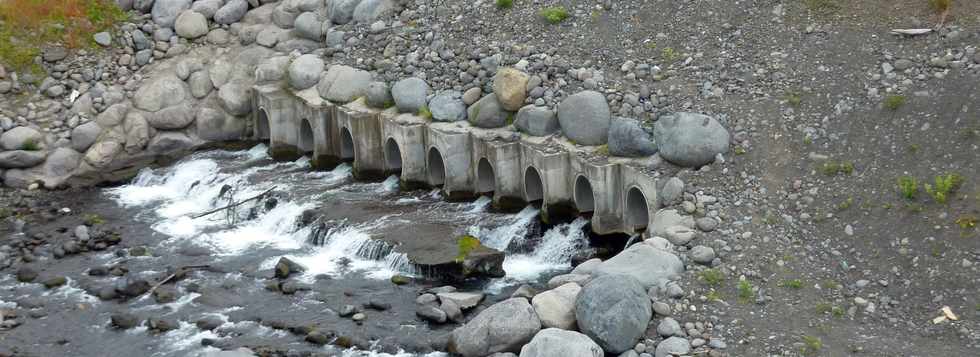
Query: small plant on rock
[
  {"x": 93, "y": 219},
  {"x": 713, "y": 296},
  {"x": 466, "y": 245},
  {"x": 945, "y": 185},
  {"x": 554, "y": 14},
  {"x": 967, "y": 221},
  {"x": 603, "y": 150},
  {"x": 712, "y": 277},
  {"x": 669, "y": 55},
  {"x": 811, "y": 345},
  {"x": 505, "y": 4},
  {"x": 908, "y": 187},
  {"x": 893, "y": 102},
  {"x": 425, "y": 113},
  {"x": 745, "y": 291},
  {"x": 30, "y": 145}
]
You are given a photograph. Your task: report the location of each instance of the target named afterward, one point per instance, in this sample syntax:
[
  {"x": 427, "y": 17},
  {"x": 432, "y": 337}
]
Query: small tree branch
[{"x": 236, "y": 204}]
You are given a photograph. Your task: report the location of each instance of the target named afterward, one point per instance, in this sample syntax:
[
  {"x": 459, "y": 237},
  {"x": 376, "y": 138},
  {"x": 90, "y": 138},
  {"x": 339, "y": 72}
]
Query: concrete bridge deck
[{"x": 619, "y": 194}]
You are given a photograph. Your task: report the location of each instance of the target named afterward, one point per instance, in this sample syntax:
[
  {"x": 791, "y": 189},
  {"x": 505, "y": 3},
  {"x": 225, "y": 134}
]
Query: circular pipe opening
[
  {"x": 393, "y": 156},
  {"x": 346, "y": 145},
  {"x": 486, "y": 181},
  {"x": 637, "y": 214},
  {"x": 305, "y": 136},
  {"x": 533, "y": 187},
  {"x": 437, "y": 169},
  {"x": 584, "y": 198},
  {"x": 262, "y": 125}
]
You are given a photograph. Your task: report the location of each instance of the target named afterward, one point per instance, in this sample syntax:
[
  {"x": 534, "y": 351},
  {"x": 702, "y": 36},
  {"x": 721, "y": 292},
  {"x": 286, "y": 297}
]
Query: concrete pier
[{"x": 618, "y": 194}]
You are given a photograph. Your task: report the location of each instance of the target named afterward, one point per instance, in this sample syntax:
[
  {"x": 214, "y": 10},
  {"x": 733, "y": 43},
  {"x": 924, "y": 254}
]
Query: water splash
[{"x": 513, "y": 232}]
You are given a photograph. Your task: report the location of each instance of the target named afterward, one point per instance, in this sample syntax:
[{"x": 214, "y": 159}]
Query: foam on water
[
  {"x": 553, "y": 253},
  {"x": 480, "y": 205},
  {"x": 389, "y": 185},
  {"x": 501, "y": 237}
]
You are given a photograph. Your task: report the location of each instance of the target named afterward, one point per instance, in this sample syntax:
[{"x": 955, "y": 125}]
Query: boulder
[
  {"x": 61, "y": 163},
  {"x": 309, "y": 26},
  {"x": 286, "y": 267},
  {"x": 666, "y": 218},
  {"x": 272, "y": 69},
  {"x": 21, "y": 159},
  {"x": 213, "y": 124},
  {"x": 283, "y": 17},
  {"x": 487, "y": 113},
  {"x": 342, "y": 11},
  {"x": 510, "y": 86},
  {"x": 187, "y": 66},
  {"x": 628, "y": 139},
  {"x": 163, "y": 90},
  {"x": 305, "y": 71},
  {"x": 702, "y": 255},
  {"x": 343, "y": 84},
  {"x": 553, "y": 342},
  {"x": 165, "y": 12},
  {"x": 465, "y": 300},
  {"x": 410, "y": 94},
  {"x": 191, "y": 25},
  {"x": 207, "y": 7},
  {"x": 200, "y": 84},
  {"x": 367, "y": 11},
  {"x": 83, "y": 136},
  {"x": 20, "y": 138},
  {"x": 447, "y": 106},
  {"x": 124, "y": 320},
  {"x": 587, "y": 267},
  {"x": 584, "y": 118},
  {"x": 102, "y": 153},
  {"x": 137, "y": 132},
  {"x": 431, "y": 313},
  {"x": 614, "y": 311},
  {"x": 556, "y": 307},
  {"x": 143, "y": 6},
  {"x": 674, "y": 346},
  {"x": 236, "y": 98},
  {"x": 648, "y": 265},
  {"x": 690, "y": 139},
  {"x": 503, "y": 327},
  {"x": 379, "y": 95},
  {"x": 559, "y": 280},
  {"x": 672, "y": 191},
  {"x": 172, "y": 118},
  {"x": 536, "y": 120},
  {"x": 231, "y": 12},
  {"x": 169, "y": 142}
]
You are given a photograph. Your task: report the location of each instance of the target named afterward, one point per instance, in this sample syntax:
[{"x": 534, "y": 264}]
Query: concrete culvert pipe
[
  {"x": 437, "y": 169},
  {"x": 393, "y": 156},
  {"x": 346, "y": 145},
  {"x": 486, "y": 181},
  {"x": 637, "y": 214},
  {"x": 584, "y": 197},
  {"x": 305, "y": 136},
  {"x": 262, "y": 131},
  {"x": 533, "y": 187}
]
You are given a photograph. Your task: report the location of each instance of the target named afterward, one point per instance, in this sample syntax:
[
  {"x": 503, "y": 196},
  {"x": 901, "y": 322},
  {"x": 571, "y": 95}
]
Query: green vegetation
[
  {"x": 914, "y": 148},
  {"x": 940, "y": 6},
  {"x": 388, "y": 104},
  {"x": 795, "y": 284},
  {"x": 822, "y": 7},
  {"x": 893, "y": 102},
  {"x": 6, "y": 212},
  {"x": 846, "y": 204},
  {"x": 811, "y": 345},
  {"x": 945, "y": 185},
  {"x": 833, "y": 168},
  {"x": 739, "y": 150},
  {"x": 603, "y": 150},
  {"x": 27, "y": 23},
  {"x": 425, "y": 113},
  {"x": 466, "y": 245},
  {"x": 669, "y": 55},
  {"x": 794, "y": 98},
  {"x": 745, "y": 292},
  {"x": 713, "y": 296},
  {"x": 967, "y": 221},
  {"x": 823, "y": 308},
  {"x": 837, "y": 312},
  {"x": 510, "y": 119},
  {"x": 807, "y": 140},
  {"x": 712, "y": 277},
  {"x": 505, "y": 4},
  {"x": 31, "y": 145},
  {"x": 651, "y": 45},
  {"x": 554, "y": 14},
  {"x": 830, "y": 284},
  {"x": 908, "y": 186},
  {"x": 93, "y": 219}
]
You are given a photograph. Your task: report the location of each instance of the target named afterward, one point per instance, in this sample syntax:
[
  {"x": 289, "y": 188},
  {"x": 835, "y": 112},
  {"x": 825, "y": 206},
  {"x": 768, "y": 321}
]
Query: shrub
[
  {"x": 811, "y": 345},
  {"x": 712, "y": 277},
  {"x": 554, "y": 14},
  {"x": 425, "y": 113},
  {"x": 745, "y": 292},
  {"x": 832, "y": 168},
  {"x": 893, "y": 102},
  {"x": 908, "y": 186},
  {"x": 505, "y": 4},
  {"x": 945, "y": 185}
]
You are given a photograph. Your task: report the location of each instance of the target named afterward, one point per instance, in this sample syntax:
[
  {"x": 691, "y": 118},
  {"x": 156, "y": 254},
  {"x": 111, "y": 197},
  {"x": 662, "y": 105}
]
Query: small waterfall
[
  {"x": 389, "y": 185},
  {"x": 480, "y": 205},
  {"x": 508, "y": 235}
]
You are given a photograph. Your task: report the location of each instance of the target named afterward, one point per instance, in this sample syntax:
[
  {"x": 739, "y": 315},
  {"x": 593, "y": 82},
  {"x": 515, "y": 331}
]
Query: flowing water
[{"x": 325, "y": 221}]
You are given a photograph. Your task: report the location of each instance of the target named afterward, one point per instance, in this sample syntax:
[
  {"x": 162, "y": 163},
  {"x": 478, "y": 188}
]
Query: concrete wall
[{"x": 618, "y": 194}]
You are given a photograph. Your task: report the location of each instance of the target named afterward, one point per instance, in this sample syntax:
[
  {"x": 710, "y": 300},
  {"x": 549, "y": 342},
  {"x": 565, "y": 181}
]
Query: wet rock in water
[
  {"x": 465, "y": 300},
  {"x": 124, "y": 320},
  {"x": 209, "y": 323},
  {"x": 162, "y": 324},
  {"x": 107, "y": 293},
  {"x": 98, "y": 271},
  {"x": 400, "y": 279},
  {"x": 319, "y": 337},
  {"x": 286, "y": 267},
  {"x": 26, "y": 274},
  {"x": 553, "y": 342},
  {"x": 427, "y": 299},
  {"x": 453, "y": 311},
  {"x": 133, "y": 287},
  {"x": 431, "y": 313},
  {"x": 54, "y": 282},
  {"x": 376, "y": 304},
  {"x": 358, "y": 317},
  {"x": 347, "y": 311},
  {"x": 503, "y": 327},
  {"x": 524, "y": 291},
  {"x": 614, "y": 311},
  {"x": 165, "y": 294},
  {"x": 292, "y": 286}
]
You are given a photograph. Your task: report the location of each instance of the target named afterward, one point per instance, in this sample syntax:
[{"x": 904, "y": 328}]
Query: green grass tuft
[
  {"x": 554, "y": 14},
  {"x": 811, "y": 345},
  {"x": 945, "y": 185},
  {"x": 833, "y": 168},
  {"x": 908, "y": 186},
  {"x": 893, "y": 102},
  {"x": 745, "y": 292},
  {"x": 940, "y": 6},
  {"x": 425, "y": 113},
  {"x": 794, "y": 98},
  {"x": 712, "y": 277},
  {"x": 31, "y": 145},
  {"x": 795, "y": 284},
  {"x": 466, "y": 244},
  {"x": 603, "y": 150},
  {"x": 822, "y": 7},
  {"x": 505, "y": 4}
]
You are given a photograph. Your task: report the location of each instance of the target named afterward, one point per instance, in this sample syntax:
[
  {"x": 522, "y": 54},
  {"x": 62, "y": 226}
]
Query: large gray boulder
[
  {"x": 172, "y": 118},
  {"x": 510, "y": 86},
  {"x": 410, "y": 94},
  {"x": 488, "y": 113},
  {"x": 536, "y": 121},
  {"x": 648, "y": 265},
  {"x": 503, "y": 327},
  {"x": 447, "y": 106},
  {"x": 200, "y": 84},
  {"x": 21, "y": 159},
  {"x": 207, "y": 7},
  {"x": 83, "y": 136},
  {"x": 556, "y": 307},
  {"x": 690, "y": 139},
  {"x": 169, "y": 142},
  {"x": 309, "y": 26},
  {"x": 342, "y": 11},
  {"x": 60, "y": 164},
  {"x": 191, "y": 25},
  {"x": 305, "y": 71},
  {"x": 553, "y": 342},
  {"x": 102, "y": 153},
  {"x": 628, "y": 139},
  {"x": 213, "y": 124},
  {"x": 614, "y": 311},
  {"x": 272, "y": 69},
  {"x": 143, "y": 6},
  {"x": 674, "y": 346},
  {"x": 232, "y": 12},
  {"x": 161, "y": 91},
  {"x": 367, "y": 11},
  {"x": 137, "y": 132},
  {"x": 236, "y": 98},
  {"x": 584, "y": 118},
  {"x": 165, "y": 11},
  {"x": 665, "y": 219},
  {"x": 379, "y": 95},
  {"x": 343, "y": 84},
  {"x": 21, "y": 137}
]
